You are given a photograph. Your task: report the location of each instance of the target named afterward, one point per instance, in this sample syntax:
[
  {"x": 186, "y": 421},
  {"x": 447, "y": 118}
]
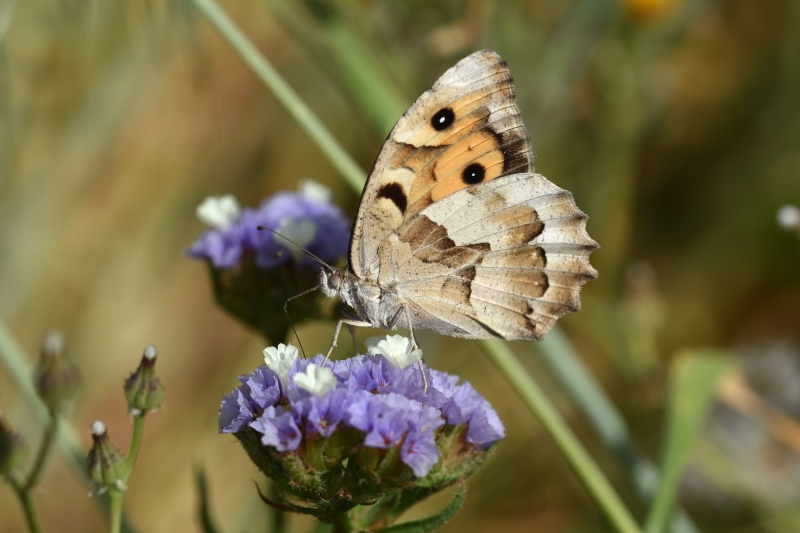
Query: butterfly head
[{"x": 333, "y": 281}]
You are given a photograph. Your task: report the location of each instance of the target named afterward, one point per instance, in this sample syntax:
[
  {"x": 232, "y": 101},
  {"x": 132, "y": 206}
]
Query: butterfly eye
[
  {"x": 334, "y": 281},
  {"x": 443, "y": 119}
]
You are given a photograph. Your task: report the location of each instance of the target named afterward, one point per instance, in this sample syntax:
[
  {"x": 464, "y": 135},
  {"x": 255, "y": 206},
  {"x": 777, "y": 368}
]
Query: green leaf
[
  {"x": 206, "y": 523},
  {"x": 693, "y": 379},
  {"x": 434, "y": 522}
]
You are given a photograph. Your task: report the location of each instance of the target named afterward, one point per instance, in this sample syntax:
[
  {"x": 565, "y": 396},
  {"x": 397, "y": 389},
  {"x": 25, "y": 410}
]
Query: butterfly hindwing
[
  {"x": 505, "y": 258},
  {"x": 465, "y": 130}
]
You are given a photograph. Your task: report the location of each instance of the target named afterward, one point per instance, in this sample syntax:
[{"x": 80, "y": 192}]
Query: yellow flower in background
[{"x": 648, "y": 10}]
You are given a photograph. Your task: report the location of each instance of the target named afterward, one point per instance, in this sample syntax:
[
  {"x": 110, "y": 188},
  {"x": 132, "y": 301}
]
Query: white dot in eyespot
[{"x": 441, "y": 119}]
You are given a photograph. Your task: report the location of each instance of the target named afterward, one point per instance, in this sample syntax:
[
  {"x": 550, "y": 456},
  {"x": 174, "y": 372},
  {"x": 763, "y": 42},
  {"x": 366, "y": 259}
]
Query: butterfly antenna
[
  {"x": 308, "y": 254},
  {"x": 286, "y": 312}
]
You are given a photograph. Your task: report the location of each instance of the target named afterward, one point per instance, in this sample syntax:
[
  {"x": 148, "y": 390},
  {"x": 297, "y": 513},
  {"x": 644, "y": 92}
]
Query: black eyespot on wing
[
  {"x": 473, "y": 174},
  {"x": 443, "y": 119},
  {"x": 394, "y": 192}
]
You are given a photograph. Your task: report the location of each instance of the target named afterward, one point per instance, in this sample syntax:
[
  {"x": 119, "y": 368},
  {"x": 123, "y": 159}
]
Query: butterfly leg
[
  {"x": 393, "y": 322},
  {"x": 348, "y": 314},
  {"x": 350, "y": 323}
]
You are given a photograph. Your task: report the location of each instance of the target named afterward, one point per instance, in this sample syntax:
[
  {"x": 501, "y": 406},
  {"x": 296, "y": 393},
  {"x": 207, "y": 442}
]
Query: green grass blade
[
  {"x": 694, "y": 376},
  {"x": 562, "y": 358},
  {"x": 204, "y": 511},
  {"x": 296, "y": 107},
  {"x": 580, "y": 460},
  {"x": 345, "y": 58}
]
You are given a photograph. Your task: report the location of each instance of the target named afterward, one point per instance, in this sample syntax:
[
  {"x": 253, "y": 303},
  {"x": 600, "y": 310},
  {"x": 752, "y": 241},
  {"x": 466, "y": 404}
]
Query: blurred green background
[{"x": 675, "y": 123}]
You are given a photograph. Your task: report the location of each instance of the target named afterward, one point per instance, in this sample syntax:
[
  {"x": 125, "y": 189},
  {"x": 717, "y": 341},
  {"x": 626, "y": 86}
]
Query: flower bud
[
  {"x": 13, "y": 449},
  {"x": 105, "y": 463},
  {"x": 56, "y": 378},
  {"x": 143, "y": 389}
]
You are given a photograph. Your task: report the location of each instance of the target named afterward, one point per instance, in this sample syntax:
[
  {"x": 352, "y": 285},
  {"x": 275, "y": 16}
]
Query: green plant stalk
[
  {"x": 270, "y": 77},
  {"x": 115, "y": 509},
  {"x": 562, "y": 358},
  {"x": 499, "y": 354},
  {"x": 117, "y": 494},
  {"x": 586, "y": 469},
  {"x": 50, "y": 432},
  {"x": 17, "y": 363},
  {"x": 26, "y": 501},
  {"x": 136, "y": 442}
]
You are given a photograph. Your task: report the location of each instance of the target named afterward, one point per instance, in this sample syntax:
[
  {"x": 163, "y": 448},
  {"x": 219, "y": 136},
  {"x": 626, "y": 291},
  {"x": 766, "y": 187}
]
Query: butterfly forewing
[{"x": 466, "y": 129}]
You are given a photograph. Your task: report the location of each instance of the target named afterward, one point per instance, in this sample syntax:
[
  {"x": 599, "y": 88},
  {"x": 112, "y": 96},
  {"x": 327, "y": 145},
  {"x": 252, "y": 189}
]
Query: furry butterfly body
[{"x": 455, "y": 233}]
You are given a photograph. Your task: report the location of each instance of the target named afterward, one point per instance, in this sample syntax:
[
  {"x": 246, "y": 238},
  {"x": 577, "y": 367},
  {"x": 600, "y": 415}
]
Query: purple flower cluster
[
  {"x": 311, "y": 220},
  {"x": 385, "y": 403}
]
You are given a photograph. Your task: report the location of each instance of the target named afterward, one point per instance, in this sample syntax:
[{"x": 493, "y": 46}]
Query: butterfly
[{"x": 455, "y": 233}]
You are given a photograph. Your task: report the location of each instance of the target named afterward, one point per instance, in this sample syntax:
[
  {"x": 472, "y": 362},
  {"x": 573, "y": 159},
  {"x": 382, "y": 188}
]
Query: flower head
[
  {"x": 351, "y": 431},
  {"x": 306, "y": 217},
  {"x": 254, "y": 271}
]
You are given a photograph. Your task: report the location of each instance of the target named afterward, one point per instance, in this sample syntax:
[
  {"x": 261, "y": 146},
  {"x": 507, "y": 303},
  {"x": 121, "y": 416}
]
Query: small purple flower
[
  {"x": 469, "y": 407},
  {"x": 278, "y": 429},
  {"x": 322, "y": 413},
  {"x": 260, "y": 389},
  {"x": 383, "y": 417},
  {"x": 235, "y": 412},
  {"x": 419, "y": 451},
  {"x": 306, "y": 217},
  {"x": 264, "y": 385}
]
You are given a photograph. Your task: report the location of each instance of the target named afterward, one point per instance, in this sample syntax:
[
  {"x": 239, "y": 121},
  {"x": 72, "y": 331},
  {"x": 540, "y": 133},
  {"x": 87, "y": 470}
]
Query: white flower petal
[
  {"x": 280, "y": 360},
  {"x": 301, "y": 231},
  {"x": 317, "y": 380},
  {"x": 315, "y": 191},
  {"x": 219, "y": 211},
  {"x": 395, "y": 348}
]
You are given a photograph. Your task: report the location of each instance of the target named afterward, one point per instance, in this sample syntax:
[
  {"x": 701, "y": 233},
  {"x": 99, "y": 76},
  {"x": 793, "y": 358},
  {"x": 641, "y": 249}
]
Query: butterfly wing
[
  {"x": 505, "y": 258},
  {"x": 466, "y": 129}
]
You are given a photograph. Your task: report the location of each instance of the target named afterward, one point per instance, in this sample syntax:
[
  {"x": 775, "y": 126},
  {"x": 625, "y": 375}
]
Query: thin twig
[{"x": 50, "y": 432}]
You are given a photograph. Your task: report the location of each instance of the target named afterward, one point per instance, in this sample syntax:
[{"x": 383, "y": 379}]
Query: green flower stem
[
  {"x": 283, "y": 92},
  {"x": 50, "y": 432},
  {"x": 136, "y": 442},
  {"x": 115, "y": 509},
  {"x": 499, "y": 354},
  {"x": 17, "y": 363},
  {"x": 594, "y": 480},
  {"x": 25, "y": 499},
  {"x": 116, "y": 494}
]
